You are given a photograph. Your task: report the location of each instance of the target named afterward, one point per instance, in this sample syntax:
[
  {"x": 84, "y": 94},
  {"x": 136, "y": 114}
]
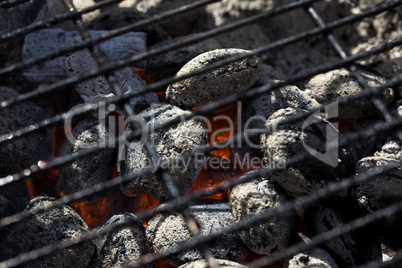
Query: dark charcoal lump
[
  {"x": 340, "y": 83},
  {"x": 225, "y": 81},
  {"x": 7, "y": 208},
  {"x": 86, "y": 172},
  {"x": 169, "y": 143},
  {"x": 383, "y": 190},
  {"x": 290, "y": 140},
  {"x": 203, "y": 264},
  {"x": 353, "y": 248},
  {"x": 165, "y": 231},
  {"x": 123, "y": 246},
  {"x": 18, "y": 154},
  {"x": 45, "y": 229},
  {"x": 98, "y": 89},
  {"x": 256, "y": 197},
  {"x": 316, "y": 257},
  {"x": 169, "y": 63}
]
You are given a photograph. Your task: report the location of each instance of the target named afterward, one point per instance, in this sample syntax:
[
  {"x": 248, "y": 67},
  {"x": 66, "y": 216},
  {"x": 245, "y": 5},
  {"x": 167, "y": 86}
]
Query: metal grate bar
[
  {"x": 226, "y": 102},
  {"x": 290, "y": 207},
  {"x": 97, "y": 54},
  {"x": 74, "y": 47},
  {"x": 11, "y": 3},
  {"x": 327, "y": 236},
  {"x": 198, "y": 37},
  {"x": 14, "y": 34},
  {"x": 378, "y": 103}
]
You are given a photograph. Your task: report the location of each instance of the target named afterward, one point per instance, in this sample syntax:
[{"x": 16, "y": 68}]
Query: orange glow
[
  {"x": 141, "y": 74},
  {"x": 30, "y": 187},
  {"x": 222, "y": 123},
  {"x": 92, "y": 212},
  {"x": 163, "y": 264}
]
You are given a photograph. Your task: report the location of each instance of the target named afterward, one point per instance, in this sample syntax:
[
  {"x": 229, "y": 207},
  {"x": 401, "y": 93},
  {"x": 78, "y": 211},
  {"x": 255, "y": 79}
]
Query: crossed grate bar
[{"x": 181, "y": 203}]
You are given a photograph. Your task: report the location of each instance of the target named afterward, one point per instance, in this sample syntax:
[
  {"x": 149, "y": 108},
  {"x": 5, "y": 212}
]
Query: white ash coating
[
  {"x": 203, "y": 264},
  {"x": 290, "y": 140},
  {"x": 215, "y": 85},
  {"x": 341, "y": 83},
  {"x": 381, "y": 190},
  {"x": 355, "y": 247},
  {"x": 165, "y": 231},
  {"x": 256, "y": 197},
  {"x": 169, "y": 143},
  {"x": 316, "y": 257},
  {"x": 86, "y": 172},
  {"x": 49, "y": 228},
  {"x": 18, "y": 154},
  {"x": 123, "y": 246}
]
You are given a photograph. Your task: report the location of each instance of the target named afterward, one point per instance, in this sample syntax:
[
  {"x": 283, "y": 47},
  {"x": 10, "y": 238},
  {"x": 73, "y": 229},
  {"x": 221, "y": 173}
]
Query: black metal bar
[
  {"x": 96, "y": 40},
  {"x": 14, "y": 34},
  {"x": 327, "y": 236},
  {"x": 11, "y": 3},
  {"x": 275, "y": 45},
  {"x": 377, "y": 101},
  {"x": 290, "y": 207},
  {"x": 226, "y": 102}
]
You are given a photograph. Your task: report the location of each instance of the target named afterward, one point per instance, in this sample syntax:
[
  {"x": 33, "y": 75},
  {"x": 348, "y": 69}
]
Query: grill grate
[{"x": 179, "y": 202}]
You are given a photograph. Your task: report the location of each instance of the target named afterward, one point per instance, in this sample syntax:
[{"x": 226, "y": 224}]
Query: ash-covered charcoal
[
  {"x": 21, "y": 153},
  {"x": 383, "y": 190},
  {"x": 204, "y": 264},
  {"x": 168, "y": 64},
  {"x": 86, "y": 172},
  {"x": 49, "y": 40},
  {"x": 180, "y": 24},
  {"x": 98, "y": 89},
  {"x": 247, "y": 37},
  {"x": 215, "y": 85},
  {"x": 169, "y": 143},
  {"x": 123, "y": 246},
  {"x": 316, "y": 257},
  {"x": 256, "y": 197},
  {"x": 165, "y": 231},
  {"x": 40, "y": 230},
  {"x": 334, "y": 84},
  {"x": 353, "y": 248},
  {"x": 311, "y": 135}
]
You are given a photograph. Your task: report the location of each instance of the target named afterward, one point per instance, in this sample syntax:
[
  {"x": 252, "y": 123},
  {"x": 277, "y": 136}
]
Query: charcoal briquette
[
  {"x": 247, "y": 37},
  {"x": 97, "y": 89},
  {"x": 316, "y": 257},
  {"x": 165, "y": 231},
  {"x": 7, "y": 208},
  {"x": 52, "y": 227},
  {"x": 170, "y": 143},
  {"x": 22, "y": 153},
  {"x": 228, "y": 80},
  {"x": 383, "y": 190},
  {"x": 122, "y": 246},
  {"x": 290, "y": 140},
  {"x": 253, "y": 198},
  {"x": 169, "y": 63},
  {"x": 204, "y": 264},
  {"x": 352, "y": 248},
  {"x": 86, "y": 172},
  {"x": 335, "y": 84}
]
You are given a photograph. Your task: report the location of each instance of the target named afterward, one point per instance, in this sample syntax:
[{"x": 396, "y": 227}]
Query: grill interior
[{"x": 388, "y": 124}]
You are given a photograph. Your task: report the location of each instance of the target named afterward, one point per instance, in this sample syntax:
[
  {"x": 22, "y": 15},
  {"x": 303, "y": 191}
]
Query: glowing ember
[{"x": 92, "y": 212}]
